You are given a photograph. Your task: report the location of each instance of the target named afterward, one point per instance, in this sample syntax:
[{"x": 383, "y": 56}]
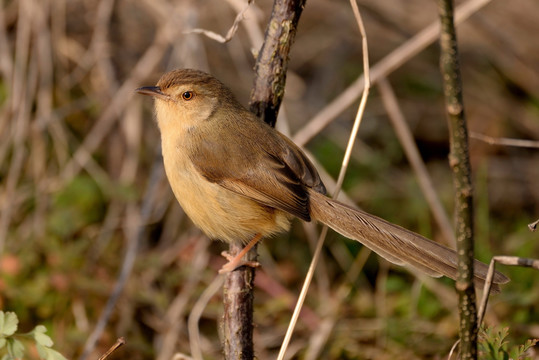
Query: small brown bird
[{"x": 240, "y": 180}]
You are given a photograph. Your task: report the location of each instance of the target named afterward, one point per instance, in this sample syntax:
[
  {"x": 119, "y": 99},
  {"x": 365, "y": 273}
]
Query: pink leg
[{"x": 236, "y": 261}]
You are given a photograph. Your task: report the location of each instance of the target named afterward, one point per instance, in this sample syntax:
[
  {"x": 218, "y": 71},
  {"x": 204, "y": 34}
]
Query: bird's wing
[{"x": 257, "y": 162}]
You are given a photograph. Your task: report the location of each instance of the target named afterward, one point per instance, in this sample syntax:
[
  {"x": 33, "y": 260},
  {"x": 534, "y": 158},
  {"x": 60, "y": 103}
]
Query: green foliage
[
  {"x": 494, "y": 345},
  {"x": 12, "y": 346},
  {"x": 78, "y": 204}
]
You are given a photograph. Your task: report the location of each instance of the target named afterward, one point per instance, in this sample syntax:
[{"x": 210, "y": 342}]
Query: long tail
[{"x": 394, "y": 243}]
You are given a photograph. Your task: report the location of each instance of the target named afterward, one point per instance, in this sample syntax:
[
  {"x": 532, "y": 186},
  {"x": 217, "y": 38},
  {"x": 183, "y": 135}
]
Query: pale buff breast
[{"x": 220, "y": 213}]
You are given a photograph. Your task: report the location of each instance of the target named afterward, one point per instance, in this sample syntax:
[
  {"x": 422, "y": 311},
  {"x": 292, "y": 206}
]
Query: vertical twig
[
  {"x": 272, "y": 62},
  {"x": 266, "y": 97},
  {"x": 460, "y": 163},
  {"x": 238, "y": 309}
]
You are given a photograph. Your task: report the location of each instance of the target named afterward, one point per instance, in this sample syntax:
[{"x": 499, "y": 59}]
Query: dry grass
[{"x": 82, "y": 186}]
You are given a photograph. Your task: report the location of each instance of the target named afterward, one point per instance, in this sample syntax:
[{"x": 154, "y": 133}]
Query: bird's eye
[{"x": 188, "y": 95}]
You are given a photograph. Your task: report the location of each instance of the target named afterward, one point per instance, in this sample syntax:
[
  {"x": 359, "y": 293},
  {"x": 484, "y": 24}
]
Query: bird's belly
[{"x": 221, "y": 213}]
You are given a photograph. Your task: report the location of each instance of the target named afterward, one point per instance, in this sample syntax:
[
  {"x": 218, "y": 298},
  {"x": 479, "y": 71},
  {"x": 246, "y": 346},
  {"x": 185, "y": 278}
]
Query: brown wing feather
[{"x": 257, "y": 162}]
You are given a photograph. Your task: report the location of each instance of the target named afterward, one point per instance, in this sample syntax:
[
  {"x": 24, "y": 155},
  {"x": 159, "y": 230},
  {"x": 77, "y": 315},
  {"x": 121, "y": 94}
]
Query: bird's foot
[{"x": 235, "y": 262}]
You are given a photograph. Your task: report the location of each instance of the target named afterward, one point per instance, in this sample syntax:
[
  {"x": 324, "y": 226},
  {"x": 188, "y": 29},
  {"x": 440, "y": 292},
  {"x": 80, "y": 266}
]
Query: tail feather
[{"x": 394, "y": 243}]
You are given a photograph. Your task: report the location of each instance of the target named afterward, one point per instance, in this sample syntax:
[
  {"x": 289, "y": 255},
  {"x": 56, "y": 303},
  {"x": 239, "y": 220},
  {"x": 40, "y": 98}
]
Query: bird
[{"x": 240, "y": 180}]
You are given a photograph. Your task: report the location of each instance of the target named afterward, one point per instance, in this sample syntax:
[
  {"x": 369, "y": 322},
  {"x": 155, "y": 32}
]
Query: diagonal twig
[
  {"x": 504, "y": 260},
  {"x": 230, "y": 33},
  {"x": 533, "y": 226},
  {"x": 383, "y": 68},
  {"x": 505, "y": 141}
]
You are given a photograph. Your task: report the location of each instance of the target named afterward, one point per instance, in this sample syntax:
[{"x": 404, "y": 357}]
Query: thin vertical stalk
[{"x": 459, "y": 161}]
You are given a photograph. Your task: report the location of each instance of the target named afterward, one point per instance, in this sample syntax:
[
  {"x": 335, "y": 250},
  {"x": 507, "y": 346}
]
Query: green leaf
[
  {"x": 43, "y": 339},
  {"x": 40, "y": 336},
  {"x": 8, "y": 323},
  {"x": 15, "y": 348},
  {"x": 40, "y": 328},
  {"x": 42, "y": 351},
  {"x": 55, "y": 355},
  {"x": 46, "y": 353}
]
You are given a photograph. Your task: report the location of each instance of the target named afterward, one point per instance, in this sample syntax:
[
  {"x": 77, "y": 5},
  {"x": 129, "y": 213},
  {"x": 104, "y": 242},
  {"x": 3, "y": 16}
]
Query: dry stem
[{"x": 459, "y": 160}]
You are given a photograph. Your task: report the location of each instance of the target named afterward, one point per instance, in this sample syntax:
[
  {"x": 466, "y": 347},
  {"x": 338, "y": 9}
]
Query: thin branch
[
  {"x": 231, "y": 32},
  {"x": 251, "y": 22},
  {"x": 533, "y": 226},
  {"x": 272, "y": 62},
  {"x": 362, "y": 104},
  {"x": 303, "y": 293},
  {"x": 505, "y": 141},
  {"x": 504, "y": 260},
  {"x": 459, "y": 160},
  {"x": 113, "y": 348}
]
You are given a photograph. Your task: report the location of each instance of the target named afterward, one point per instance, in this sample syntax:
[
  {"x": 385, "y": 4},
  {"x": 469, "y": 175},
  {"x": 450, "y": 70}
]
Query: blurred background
[{"x": 81, "y": 181}]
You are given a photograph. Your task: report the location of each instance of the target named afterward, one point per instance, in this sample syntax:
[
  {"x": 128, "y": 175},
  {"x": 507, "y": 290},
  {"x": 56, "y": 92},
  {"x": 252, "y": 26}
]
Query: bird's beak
[{"x": 152, "y": 91}]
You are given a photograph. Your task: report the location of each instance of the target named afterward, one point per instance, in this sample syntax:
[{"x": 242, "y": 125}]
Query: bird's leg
[{"x": 235, "y": 262}]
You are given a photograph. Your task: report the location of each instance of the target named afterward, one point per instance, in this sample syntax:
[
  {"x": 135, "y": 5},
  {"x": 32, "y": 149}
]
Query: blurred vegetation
[
  {"x": 493, "y": 345},
  {"x": 14, "y": 345},
  {"x": 77, "y": 149}
]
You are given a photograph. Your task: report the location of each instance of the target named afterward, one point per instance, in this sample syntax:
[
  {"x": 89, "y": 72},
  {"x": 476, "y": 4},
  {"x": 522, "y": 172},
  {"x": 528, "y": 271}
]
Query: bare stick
[
  {"x": 504, "y": 260},
  {"x": 505, "y": 141},
  {"x": 533, "y": 226},
  {"x": 272, "y": 62},
  {"x": 113, "y": 348},
  {"x": 362, "y": 104},
  {"x": 453, "y": 348},
  {"x": 237, "y": 325},
  {"x": 231, "y": 32},
  {"x": 303, "y": 293},
  {"x": 459, "y": 161},
  {"x": 344, "y": 167}
]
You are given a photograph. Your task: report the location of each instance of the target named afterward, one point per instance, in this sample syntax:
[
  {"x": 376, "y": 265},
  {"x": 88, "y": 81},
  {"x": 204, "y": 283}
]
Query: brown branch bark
[
  {"x": 266, "y": 97},
  {"x": 460, "y": 164},
  {"x": 238, "y": 310},
  {"x": 272, "y": 62}
]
